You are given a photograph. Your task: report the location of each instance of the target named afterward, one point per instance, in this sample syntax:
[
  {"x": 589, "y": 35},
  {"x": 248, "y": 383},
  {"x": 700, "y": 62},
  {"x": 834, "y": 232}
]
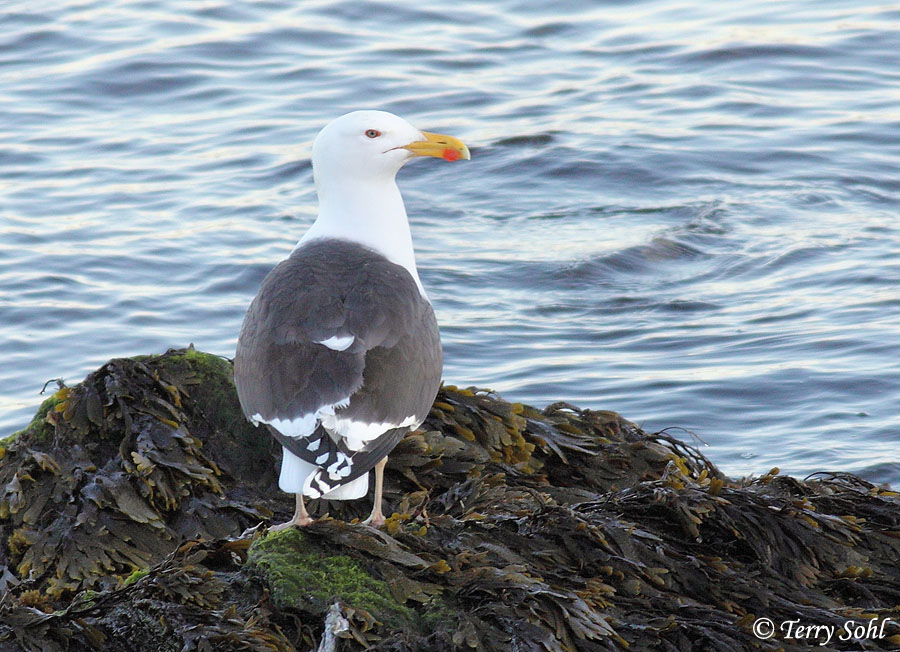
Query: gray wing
[{"x": 288, "y": 373}]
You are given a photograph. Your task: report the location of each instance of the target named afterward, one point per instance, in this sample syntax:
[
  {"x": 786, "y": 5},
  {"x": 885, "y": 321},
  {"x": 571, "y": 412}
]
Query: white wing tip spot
[
  {"x": 338, "y": 342},
  {"x": 357, "y": 434},
  {"x": 304, "y": 425}
]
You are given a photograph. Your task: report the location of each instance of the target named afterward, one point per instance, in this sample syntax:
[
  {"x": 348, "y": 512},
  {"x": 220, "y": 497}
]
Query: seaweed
[
  {"x": 119, "y": 469},
  {"x": 133, "y": 513}
]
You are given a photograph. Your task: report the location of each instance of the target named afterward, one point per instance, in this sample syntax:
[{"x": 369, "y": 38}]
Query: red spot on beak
[{"x": 450, "y": 154}]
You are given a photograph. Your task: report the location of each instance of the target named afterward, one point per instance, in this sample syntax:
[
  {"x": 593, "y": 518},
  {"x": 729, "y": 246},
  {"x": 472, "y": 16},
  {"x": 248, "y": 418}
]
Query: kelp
[
  {"x": 121, "y": 477},
  {"x": 130, "y": 514}
]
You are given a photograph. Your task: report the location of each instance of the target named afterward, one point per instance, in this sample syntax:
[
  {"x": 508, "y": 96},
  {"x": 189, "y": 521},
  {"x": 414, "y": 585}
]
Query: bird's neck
[{"x": 370, "y": 214}]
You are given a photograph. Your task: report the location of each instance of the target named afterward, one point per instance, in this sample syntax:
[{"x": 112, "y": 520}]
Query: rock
[{"x": 129, "y": 513}]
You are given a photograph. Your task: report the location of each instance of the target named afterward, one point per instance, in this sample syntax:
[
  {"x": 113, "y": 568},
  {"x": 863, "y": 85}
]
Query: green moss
[
  {"x": 39, "y": 430},
  {"x": 304, "y": 575},
  {"x": 245, "y": 451},
  {"x": 437, "y": 616},
  {"x": 207, "y": 366},
  {"x": 135, "y": 576},
  {"x": 6, "y": 441},
  {"x": 214, "y": 390},
  {"x": 86, "y": 598}
]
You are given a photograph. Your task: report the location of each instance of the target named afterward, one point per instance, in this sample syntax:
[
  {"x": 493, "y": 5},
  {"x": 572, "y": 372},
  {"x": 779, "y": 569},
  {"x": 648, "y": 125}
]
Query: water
[{"x": 680, "y": 211}]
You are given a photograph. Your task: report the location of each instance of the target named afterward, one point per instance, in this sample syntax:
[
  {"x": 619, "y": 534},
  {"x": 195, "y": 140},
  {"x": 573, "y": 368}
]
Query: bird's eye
[{"x": 373, "y": 133}]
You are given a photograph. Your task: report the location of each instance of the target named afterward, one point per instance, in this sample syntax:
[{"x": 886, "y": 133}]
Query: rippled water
[{"x": 682, "y": 211}]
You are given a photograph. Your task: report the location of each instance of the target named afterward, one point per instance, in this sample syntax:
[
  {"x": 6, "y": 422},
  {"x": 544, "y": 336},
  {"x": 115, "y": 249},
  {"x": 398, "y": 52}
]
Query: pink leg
[
  {"x": 376, "y": 518},
  {"x": 300, "y": 518}
]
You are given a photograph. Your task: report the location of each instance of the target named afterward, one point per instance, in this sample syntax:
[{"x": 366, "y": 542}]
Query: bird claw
[
  {"x": 294, "y": 522},
  {"x": 375, "y": 520}
]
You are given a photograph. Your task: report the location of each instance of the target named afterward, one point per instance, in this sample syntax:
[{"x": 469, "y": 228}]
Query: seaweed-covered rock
[
  {"x": 125, "y": 465},
  {"x": 302, "y": 574},
  {"x": 129, "y": 514}
]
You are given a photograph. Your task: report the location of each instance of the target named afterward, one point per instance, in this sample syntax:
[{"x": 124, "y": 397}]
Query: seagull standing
[{"x": 339, "y": 354}]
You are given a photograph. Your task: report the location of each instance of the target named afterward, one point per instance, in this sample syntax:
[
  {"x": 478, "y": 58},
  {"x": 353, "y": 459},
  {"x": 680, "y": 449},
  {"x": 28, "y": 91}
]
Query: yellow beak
[{"x": 441, "y": 146}]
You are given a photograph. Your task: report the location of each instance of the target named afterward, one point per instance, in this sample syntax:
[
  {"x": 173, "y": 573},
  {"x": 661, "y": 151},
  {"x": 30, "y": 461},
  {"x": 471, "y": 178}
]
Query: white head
[
  {"x": 355, "y": 159},
  {"x": 371, "y": 146}
]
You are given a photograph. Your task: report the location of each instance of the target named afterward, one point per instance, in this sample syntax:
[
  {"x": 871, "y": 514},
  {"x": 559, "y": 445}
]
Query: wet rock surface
[{"x": 133, "y": 514}]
